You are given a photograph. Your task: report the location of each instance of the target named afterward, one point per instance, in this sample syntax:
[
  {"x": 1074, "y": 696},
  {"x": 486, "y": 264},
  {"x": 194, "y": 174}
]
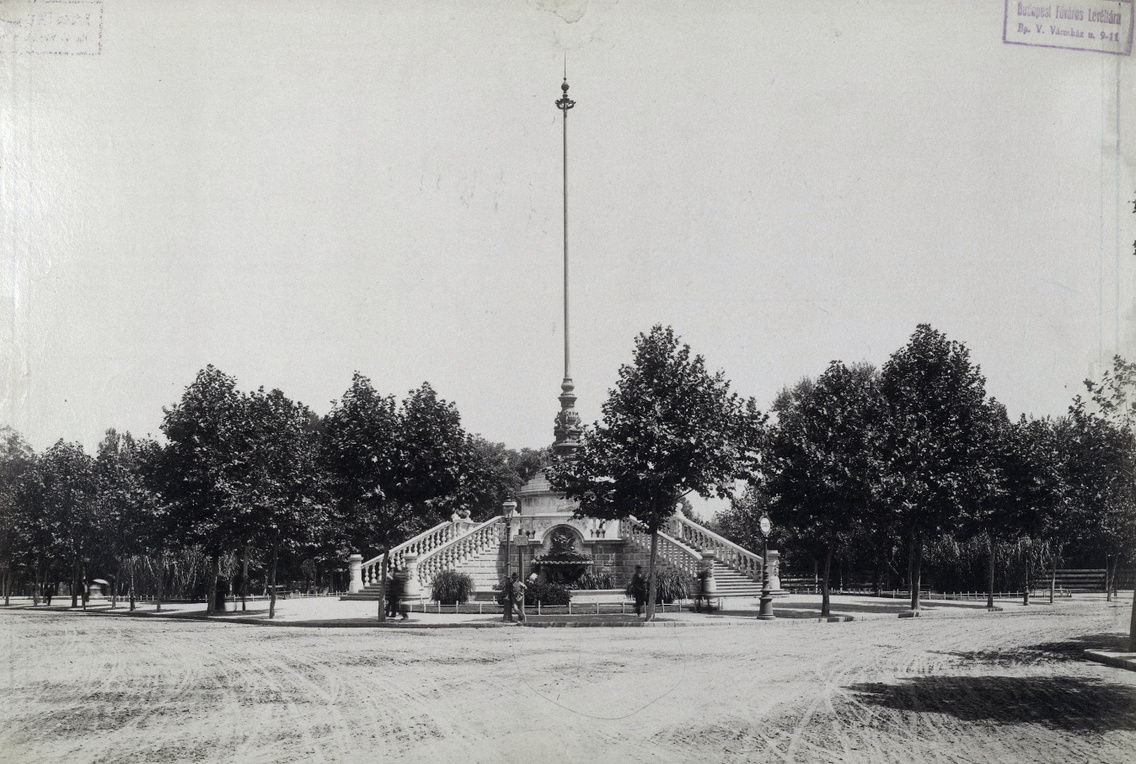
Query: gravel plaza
[{"x": 325, "y": 684}]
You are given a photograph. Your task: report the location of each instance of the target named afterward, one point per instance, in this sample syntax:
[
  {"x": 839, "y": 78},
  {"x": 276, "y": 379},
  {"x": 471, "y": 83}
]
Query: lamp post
[
  {"x": 766, "y": 611},
  {"x": 510, "y": 508}
]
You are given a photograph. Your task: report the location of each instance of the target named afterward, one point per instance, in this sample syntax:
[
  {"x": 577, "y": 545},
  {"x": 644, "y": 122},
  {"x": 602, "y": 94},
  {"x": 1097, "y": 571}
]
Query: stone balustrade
[
  {"x": 452, "y": 554},
  {"x": 421, "y": 545},
  {"x": 727, "y": 552},
  {"x": 673, "y": 552}
]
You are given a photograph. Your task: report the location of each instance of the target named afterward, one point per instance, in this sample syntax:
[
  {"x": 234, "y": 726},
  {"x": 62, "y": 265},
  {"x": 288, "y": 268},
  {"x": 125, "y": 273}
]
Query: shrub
[
  {"x": 547, "y": 593},
  {"x": 591, "y": 581},
  {"x": 671, "y": 585},
  {"x": 451, "y": 587}
]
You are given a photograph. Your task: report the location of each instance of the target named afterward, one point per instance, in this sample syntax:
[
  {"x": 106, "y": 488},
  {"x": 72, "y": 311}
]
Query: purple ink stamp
[
  {"x": 1102, "y": 26},
  {"x": 52, "y": 27}
]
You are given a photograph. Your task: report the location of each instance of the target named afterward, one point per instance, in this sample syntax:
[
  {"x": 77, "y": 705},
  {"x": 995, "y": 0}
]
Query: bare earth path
[{"x": 1004, "y": 687}]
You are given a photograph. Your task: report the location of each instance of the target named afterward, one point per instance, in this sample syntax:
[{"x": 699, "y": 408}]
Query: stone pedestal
[
  {"x": 412, "y": 590},
  {"x": 709, "y": 584},
  {"x": 774, "y": 570},
  {"x": 355, "y": 567}
]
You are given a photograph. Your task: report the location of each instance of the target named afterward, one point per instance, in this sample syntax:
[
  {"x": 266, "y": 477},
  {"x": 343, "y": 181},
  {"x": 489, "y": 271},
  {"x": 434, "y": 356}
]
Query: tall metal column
[{"x": 567, "y": 428}]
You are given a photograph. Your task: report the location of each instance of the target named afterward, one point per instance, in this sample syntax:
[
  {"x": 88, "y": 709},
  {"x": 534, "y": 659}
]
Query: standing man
[
  {"x": 519, "y": 597},
  {"x": 507, "y": 597},
  {"x": 638, "y": 589}
]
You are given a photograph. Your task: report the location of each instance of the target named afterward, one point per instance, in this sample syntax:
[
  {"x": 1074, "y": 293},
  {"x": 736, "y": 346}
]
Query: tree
[
  {"x": 16, "y": 461},
  {"x": 67, "y": 481},
  {"x": 1101, "y": 470},
  {"x": 1037, "y": 486},
  {"x": 1115, "y": 397},
  {"x": 495, "y": 473},
  {"x": 822, "y": 459},
  {"x": 741, "y": 521},
  {"x": 394, "y": 470},
  {"x": 433, "y": 472},
  {"x": 669, "y": 428},
  {"x": 163, "y": 531},
  {"x": 936, "y": 409},
  {"x": 287, "y": 484},
  {"x": 127, "y": 507},
  {"x": 207, "y": 464},
  {"x": 1001, "y": 506}
]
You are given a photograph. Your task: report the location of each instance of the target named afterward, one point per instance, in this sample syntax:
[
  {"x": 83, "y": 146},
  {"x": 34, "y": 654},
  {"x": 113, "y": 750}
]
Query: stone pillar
[
  {"x": 355, "y": 566},
  {"x": 412, "y": 591},
  {"x": 774, "y": 570},
  {"x": 709, "y": 585}
]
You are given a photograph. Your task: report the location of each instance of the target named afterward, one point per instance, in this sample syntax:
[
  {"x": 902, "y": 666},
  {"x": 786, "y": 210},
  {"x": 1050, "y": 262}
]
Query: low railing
[
  {"x": 449, "y": 556},
  {"x": 670, "y": 550},
  {"x": 727, "y": 552},
  {"x": 421, "y": 545}
]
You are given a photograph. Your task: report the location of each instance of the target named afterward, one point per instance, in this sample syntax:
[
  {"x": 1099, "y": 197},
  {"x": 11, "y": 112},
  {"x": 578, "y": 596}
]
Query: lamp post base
[{"x": 766, "y": 611}]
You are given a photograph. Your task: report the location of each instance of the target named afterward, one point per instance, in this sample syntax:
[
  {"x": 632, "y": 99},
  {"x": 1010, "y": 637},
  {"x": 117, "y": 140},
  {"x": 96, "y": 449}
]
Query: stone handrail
[
  {"x": 670, "y": 550},
  {"x": 422, "y": 544},
  {"x": 453, "y": 553},
  {"x": 727, "y": 552}
]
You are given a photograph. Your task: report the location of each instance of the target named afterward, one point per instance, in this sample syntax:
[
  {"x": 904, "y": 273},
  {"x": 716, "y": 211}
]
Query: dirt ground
[{"x": 976, "y": 687}]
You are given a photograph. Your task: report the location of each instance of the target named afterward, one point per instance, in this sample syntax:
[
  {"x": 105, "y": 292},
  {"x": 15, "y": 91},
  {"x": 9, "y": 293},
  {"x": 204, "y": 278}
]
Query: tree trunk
[
  {"x": 133, "y": 562},
  {"x": 1132, "y": 624},
  {"x": 652, "y": 580},
  {"x": 161, "y": 582},
  {"x": 75, "y": 580},
  {"x": 384, "y": 571},
  {"x": 1053, "y": 574},
  {"x": 918, "y": 570},
  {"x": 211, "y": 589},
  {"x": 7, "y": 585},
  {"x": 83, "y": 583},
  {"x": 1116, "y": 577},
  {"x": 114, "y": 587},
  {"x": 990, "y": 581},
  {"x": 914, "y": 553},
  {"x": 825, "y": 606},
  {"x": 1026, "y": 593},
  {"x": 40, "y": 575},
  {"x": 244, "y": 577},
  {"x": 1107, "y": 582},
  {"x": 272, "y": 577}
]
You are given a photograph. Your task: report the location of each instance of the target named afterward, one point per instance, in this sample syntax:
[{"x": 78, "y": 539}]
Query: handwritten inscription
[
  {"x": 58, "y": 27},
  {"x": 1096, "y": 25}
]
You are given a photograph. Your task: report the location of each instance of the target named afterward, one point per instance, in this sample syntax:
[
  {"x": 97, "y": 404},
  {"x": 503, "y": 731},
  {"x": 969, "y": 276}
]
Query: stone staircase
[
  {"x": 733, "y": 584},
  {"x": 737, "y": 571},
  {"x": 474, "y": 549},
  {"x": 477, "y": 550}
]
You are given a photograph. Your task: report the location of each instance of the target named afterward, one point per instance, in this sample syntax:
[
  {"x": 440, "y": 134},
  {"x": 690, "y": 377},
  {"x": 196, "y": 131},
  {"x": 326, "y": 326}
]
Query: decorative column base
[
  {"x": 355, "y": 567},
  {"x": 412, "y": 590},
  {"x": 709, "y": 586},
  {"x": 765, "y": 613}
]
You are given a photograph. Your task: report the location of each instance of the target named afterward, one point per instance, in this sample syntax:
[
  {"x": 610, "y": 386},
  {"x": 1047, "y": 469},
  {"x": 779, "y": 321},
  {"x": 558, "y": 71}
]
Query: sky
[{"x": 293, "y": 191}]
